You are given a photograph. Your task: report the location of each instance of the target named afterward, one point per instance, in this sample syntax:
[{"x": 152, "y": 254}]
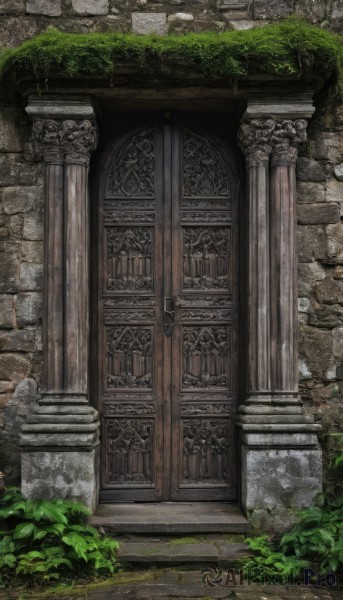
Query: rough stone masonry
[{"x": 320, "y": 202}]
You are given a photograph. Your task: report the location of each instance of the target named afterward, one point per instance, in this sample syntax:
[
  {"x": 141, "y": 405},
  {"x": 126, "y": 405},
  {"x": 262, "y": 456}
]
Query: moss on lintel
[{"x": 289, "y": 48}]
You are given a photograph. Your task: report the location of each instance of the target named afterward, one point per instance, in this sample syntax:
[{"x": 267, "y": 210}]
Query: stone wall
[{"x": 320, "y": 202}]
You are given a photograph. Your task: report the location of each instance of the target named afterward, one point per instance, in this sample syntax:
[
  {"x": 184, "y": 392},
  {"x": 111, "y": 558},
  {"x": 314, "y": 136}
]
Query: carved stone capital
[
  {"x": 71, "y": 140},
  {"x": 286, "y": 139},
  {"x": 255, "y": 139}
]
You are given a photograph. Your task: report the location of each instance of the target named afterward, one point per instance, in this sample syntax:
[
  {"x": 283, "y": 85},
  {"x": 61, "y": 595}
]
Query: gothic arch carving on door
[{"x": 168, "y": 314}]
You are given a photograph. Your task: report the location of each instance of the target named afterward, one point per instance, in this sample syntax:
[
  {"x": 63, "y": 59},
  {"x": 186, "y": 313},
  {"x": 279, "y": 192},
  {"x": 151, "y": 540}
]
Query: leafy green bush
[
  {"x": 47, "y": 540},
  {"x": 317, "y": 539}
]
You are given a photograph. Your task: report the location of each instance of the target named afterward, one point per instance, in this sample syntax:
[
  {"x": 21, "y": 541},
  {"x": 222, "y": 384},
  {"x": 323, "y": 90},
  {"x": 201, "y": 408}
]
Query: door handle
[
  {"x": 168, "y": 307},
  {"x": 168, "y": 312}
]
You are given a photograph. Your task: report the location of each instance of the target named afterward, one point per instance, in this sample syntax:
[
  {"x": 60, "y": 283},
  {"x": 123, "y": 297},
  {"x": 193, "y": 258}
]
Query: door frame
[{"x": 103, "y": 157}]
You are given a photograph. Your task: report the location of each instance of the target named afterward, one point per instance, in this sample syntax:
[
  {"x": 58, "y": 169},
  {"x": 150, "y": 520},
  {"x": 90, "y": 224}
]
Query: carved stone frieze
[
  {"x": 113, "y": 216},
  {"x": 206, "y": 217},
  {"x": 128, "y": 204},
  {"x": 205, "y": 315},
  {"x": 204, "y": 300},
  {"x": 71, "y": 140},
  {"x": 129, "y": 451},
  {"x": 126, "y": 301}
]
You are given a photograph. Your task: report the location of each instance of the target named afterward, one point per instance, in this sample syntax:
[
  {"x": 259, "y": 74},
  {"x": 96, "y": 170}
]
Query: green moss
[{"x": 291, "y": 47}]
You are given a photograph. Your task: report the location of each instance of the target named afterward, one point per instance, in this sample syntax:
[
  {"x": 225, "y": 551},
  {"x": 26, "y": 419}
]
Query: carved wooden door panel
[{"x": 167, "y": 315}]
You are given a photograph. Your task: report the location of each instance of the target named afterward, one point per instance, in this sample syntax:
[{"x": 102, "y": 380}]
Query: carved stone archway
[{"x": 280, "y": 456}]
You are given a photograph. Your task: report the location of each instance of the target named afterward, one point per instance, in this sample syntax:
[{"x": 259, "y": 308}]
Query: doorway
[{"x": 168, "y": 325}]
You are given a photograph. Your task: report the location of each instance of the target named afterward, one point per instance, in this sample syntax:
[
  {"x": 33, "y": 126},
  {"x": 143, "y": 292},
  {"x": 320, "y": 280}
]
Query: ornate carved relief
[
  {"x": 74, "y": 140},
  {"x": 126, "y": 301},
  {"x": 203, "y": 408},
  {"x": 129, "y": 255},
  {"x": 206, "y": 217},
  {"x": 132, "y": 172},
  {"x": 205, "y": 315},
  {"x": 128, "y": 204},
  {"x": 205, "y": 450},
  {"x": 129, "y": 451},
  {"x": 255, "y": 139},
  {"x": 123, "y": 315},
  {"x": 112, "y": 216},
  {"x": 204, "y": 173},
  {"x": 204, "y": 300},
  {"x": 206, "y": 257},
  {"x": 260, "y": 138},
  {"x": 205, "y": 357},
  {"x": 129, "y": 357},
  {"x": 125, "y": 408},
  {"x": 195, "y": 204},
  {"x": 286, "y": 139}
]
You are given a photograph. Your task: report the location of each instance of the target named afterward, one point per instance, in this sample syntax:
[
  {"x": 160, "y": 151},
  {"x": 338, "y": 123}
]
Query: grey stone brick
[
  {"x": 14, "y": 367},
  {"x": 20, "y": 199},
  {"x": 12, "y": 6},
  {"x": 18, "y": 340},
  {"x": 90, "y": 7},
  {"x": 146, "y": 23},
  {"x": 10, "y": 140},
  {"x": 271, "y": 9},
  {"x": 7, "y": 313},
  {"x": 31, "y": 276},
  {"x": 33, "y": 226},
  {"x": 49, "y": 8},
  {"x": 29, "y": 308}
]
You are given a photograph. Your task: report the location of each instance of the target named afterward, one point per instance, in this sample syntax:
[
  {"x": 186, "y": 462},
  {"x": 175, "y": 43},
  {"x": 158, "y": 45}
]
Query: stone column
[
  {"x": 280, "y": 455},
  {"x": 60, "y": 441}
]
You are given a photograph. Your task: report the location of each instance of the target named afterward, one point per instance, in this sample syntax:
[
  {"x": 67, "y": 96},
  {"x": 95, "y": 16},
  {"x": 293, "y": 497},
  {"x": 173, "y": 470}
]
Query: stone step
[
  {"x": 182, "y": 551},
  {"x": 171, "y": 518}
]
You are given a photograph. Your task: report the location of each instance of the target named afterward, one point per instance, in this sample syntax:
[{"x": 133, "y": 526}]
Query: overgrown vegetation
[
  {"x": 49, "y": 540},
  {"x": 292, "y": 47},
  {"x": 316, "y": 541}
]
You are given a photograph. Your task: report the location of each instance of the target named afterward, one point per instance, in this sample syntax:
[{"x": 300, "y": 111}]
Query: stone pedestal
[
  {"x": 280, "y": 454},
  {"x": 60, "y": 442}
]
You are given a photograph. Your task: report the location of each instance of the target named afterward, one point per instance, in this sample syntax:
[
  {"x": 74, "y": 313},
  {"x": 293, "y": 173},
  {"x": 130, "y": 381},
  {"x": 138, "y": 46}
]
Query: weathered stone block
[
  {"x": 9, "y": 266},
  {"x": 146, "y": 23},
  {"x": 15, "y": 226},
  {"x": 25, "y": 396},
  {"x": 32, "y": 251},
  {"x": 280, "y": 478},
  {"x": 14, "y": 31},
  {"x": 309, "y": 192},
  {"x": 310, "y": 170},
  {"x": 315, "y": 347},
  {"x": 33, "y": 226},
  {"x": 326, "y": 316},
  {"x": 14, "y": 367},
  {"x": 10, "y": 140},
  {"x": 310, "y": 214},
  {"x": 329, "y": 291},
  {"x": 326, "y": 146},
  {"x": 7, "y": 312},
  {"x": 14, "y": 170},
  {"x": 18, "y": 340},
  {"x": 6, "y": 386},
  {"x": 49, "y": 8},
  {"x": 272, "y": 9},
  {"x": 304, "y": 371},
  {"x": 30, "y": 277},
  {"x": 12, "y": 6},
  {"x": 312, "y": 243},
  {"x": 68, "y": 475},
  {"x": 20, "y": 199},
  {"x": 309, "y": 275},
  {"x": 337, "y": 339},
  {"x": 335, "y": 244},
  {"x": 29, "y": 308},
  {"x": 241, "y": 25},
  {"x": 278, "y": 519},
  {"x": 90, "y": 7},
  {"x": 338, "y": 170}
]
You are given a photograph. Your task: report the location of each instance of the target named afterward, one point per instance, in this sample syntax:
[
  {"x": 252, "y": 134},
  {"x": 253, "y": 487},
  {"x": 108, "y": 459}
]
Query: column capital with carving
[
  {"x": 255, "y": 140},
  {"x": 63, "y": 130},
  {"x": 286, "y": 139}
]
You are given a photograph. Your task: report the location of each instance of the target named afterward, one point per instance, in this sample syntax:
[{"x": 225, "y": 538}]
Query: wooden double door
[{"x": 168, "y": 324}]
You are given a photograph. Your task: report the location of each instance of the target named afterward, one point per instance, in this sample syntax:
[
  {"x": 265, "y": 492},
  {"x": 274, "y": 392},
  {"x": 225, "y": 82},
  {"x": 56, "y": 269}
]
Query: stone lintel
[
  {"x": 60, "y": 109},
  {"x": 280, "y": 109},
  {"x": 278, "y": 439}
]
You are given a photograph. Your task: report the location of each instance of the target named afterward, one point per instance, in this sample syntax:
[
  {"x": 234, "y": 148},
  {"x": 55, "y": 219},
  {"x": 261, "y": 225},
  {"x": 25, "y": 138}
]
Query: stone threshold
[{"x": 171, "y": 517}]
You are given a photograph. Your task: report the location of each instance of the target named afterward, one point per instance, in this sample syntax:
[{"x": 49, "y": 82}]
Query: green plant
[
  {"x": 292, "y": 47},
  {"x": 47, "y": 540},
  {"x": 317, "y": 539}
]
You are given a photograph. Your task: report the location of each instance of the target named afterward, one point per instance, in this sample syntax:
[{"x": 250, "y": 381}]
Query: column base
[{"x": 50, "y": 474}]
